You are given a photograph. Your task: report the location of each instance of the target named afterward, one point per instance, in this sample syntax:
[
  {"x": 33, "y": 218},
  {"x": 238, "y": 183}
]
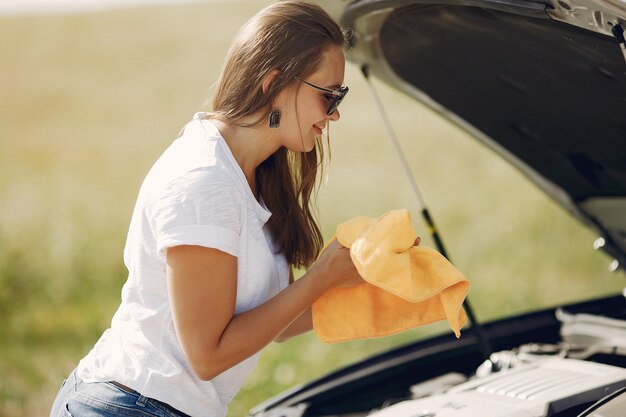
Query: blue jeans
[{"x": 105, "y": 399}]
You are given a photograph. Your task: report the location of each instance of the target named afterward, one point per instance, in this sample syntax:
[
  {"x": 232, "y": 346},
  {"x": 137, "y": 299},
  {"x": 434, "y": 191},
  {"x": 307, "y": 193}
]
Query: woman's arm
[
  {"x": 303, "y": 324},
  {"x": 202, "y": 285}
]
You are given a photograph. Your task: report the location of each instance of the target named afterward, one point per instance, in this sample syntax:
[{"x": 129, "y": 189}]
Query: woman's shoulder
[
  {"x": 209, "y": 179},
  {"x": 199, "y": 193},
  {"x": 195, "y": 169},
  {"x": 197, "y": 154}
]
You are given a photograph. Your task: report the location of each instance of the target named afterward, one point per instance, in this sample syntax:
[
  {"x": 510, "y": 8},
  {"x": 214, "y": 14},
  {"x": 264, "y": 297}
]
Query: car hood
[{"x": 543, "y": 84}]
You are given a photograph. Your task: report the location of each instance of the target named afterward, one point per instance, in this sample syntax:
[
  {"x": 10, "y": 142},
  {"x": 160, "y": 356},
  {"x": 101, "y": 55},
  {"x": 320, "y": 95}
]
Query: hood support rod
[
  {"x": 483, "y": 341},
  {"x": 618, "y": 32}
]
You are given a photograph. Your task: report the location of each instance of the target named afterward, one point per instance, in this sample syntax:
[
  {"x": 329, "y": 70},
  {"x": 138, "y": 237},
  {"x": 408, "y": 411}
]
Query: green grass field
[{"x": 90, "y": 101}]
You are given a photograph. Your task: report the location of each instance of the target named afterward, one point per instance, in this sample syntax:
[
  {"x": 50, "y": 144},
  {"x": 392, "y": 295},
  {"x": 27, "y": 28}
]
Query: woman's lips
[{"x": 317, "y": 130}]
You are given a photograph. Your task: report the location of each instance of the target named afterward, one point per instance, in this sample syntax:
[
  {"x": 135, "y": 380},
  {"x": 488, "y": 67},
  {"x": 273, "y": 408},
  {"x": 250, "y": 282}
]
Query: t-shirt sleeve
[{"x": 201, "y": 208}]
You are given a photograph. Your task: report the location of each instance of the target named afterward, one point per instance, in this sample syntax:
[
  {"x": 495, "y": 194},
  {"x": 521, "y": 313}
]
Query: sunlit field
[{"x": 90, "y": 101}]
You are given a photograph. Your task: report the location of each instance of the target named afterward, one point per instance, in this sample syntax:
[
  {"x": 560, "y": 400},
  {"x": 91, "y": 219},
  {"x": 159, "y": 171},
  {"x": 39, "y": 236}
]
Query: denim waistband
[{"x": 108, "y": 395}]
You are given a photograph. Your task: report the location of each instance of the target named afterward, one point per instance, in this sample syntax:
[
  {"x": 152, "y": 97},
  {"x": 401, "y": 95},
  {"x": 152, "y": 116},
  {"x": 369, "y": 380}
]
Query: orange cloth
[{"x": 406, "y": 286}]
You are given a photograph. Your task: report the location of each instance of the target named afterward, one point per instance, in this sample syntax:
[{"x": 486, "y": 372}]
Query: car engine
[{"x": 532, "y": 380}]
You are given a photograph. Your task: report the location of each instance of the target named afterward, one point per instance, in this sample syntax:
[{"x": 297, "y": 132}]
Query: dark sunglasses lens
[
  {"x": 333, "y": 105},
  {"x": 336, "y": 101}
]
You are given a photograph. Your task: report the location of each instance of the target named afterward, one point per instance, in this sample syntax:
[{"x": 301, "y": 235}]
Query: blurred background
[{"x": 90, "y": 98}]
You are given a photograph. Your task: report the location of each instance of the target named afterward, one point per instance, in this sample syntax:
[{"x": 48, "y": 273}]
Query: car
[{"x": 543, "y": 85}]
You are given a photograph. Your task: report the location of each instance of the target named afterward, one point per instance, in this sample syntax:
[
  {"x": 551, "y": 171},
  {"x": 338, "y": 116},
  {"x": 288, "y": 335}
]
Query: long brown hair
[{"x": 290, "y": 36}]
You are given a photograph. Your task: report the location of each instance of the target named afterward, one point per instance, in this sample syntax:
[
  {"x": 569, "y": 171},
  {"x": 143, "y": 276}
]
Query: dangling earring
[{"x": 274, "y": 119}]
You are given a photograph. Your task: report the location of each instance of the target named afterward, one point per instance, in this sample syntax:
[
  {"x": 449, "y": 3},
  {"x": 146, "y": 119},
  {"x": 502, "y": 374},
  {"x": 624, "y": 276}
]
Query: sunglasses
[{"x": 334, "y": 96}]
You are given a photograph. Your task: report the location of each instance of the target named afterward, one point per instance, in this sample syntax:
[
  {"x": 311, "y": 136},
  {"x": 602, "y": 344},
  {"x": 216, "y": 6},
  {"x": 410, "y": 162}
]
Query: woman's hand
[{"x": 336, "y": 264}]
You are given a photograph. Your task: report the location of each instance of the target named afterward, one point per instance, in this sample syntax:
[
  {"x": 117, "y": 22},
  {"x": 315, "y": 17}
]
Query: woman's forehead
[{"x": 331, "y": 70}]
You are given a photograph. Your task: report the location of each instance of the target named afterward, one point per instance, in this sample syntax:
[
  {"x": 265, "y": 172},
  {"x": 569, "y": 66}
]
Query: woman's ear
[{"x": 269, "y": 79}]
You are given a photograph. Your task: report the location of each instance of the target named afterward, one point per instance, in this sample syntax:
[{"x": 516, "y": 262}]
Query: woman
[{"x": 220, "y": 220}]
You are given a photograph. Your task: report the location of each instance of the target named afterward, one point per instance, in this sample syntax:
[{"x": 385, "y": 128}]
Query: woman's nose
[{"x": 335, "y": 116}]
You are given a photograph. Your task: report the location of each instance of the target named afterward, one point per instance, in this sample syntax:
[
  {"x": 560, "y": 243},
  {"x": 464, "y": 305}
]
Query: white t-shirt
[{"x": 195, "y": 194}]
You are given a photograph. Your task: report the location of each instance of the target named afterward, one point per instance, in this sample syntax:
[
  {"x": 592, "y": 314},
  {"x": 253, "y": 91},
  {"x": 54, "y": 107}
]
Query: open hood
[{"x": 543, "y": 84}]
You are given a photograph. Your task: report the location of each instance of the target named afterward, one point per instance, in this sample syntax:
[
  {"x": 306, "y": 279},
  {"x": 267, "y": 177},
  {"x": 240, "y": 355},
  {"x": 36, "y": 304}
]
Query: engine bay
[{"x": 532, "y": 380}]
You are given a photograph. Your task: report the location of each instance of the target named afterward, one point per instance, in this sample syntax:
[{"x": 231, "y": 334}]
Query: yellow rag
[{"x": 406, "y": 286}]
